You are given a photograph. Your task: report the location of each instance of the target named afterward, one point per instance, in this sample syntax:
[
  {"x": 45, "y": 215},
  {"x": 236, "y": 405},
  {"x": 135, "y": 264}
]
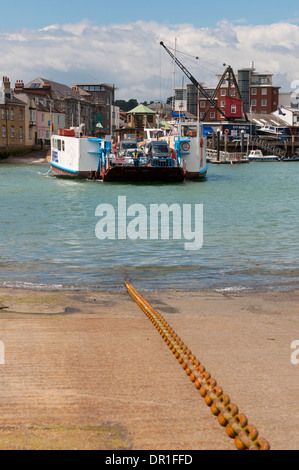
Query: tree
[{"x": 126, "y": 105}]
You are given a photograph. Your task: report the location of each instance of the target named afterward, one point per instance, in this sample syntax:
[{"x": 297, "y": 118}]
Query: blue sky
[
  {"x": 118, "y": 42},
  {"x": 33, "y": 15}
]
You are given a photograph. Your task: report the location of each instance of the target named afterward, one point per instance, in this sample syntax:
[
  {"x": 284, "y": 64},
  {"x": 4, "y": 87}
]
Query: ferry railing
[{"x": 155, "y": 162}]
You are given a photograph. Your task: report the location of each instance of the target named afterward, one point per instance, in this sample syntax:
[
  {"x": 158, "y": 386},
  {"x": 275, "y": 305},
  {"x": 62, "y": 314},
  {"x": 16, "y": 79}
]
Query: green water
[{"x": 251, "y": 225}]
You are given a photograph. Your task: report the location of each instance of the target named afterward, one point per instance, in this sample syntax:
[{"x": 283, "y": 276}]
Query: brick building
[{"x": 258, "y": 93}]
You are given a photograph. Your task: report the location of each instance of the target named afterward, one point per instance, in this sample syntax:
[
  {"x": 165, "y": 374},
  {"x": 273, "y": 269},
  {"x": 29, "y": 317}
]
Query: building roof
[
  {"x": 14, "y": 100},
  {"x": 106, "y": 85},
  {"x": 141, "y": 109},
  {"x": 266, "y": 120},
  {"x": 159, "y": 106},
  {"x": 169, "y": 116},
  {"x": 58, "y": 89}
]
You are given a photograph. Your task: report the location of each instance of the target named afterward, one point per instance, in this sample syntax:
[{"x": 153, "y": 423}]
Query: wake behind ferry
[{"x": 78, "y": 156}]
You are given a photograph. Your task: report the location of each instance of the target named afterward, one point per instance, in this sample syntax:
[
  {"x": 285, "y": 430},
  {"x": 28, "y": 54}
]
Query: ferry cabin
[{"x": 83, "y": 157}]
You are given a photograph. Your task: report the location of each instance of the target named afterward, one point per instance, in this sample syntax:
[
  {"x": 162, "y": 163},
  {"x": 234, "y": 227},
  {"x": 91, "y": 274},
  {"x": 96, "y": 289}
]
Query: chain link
[{"x": 236, "y": 424}]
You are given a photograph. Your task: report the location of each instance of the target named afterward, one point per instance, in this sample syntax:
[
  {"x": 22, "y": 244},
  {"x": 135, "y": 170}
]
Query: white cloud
[{"x": 129, "y": 55}]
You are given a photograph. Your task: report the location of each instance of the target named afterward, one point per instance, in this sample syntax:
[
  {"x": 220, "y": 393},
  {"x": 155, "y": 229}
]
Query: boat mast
[{"x": 173, "y": 91}]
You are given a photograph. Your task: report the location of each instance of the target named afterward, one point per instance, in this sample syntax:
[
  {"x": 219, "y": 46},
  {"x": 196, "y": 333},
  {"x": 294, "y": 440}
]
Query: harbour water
[{"x": 251, "y": 226}]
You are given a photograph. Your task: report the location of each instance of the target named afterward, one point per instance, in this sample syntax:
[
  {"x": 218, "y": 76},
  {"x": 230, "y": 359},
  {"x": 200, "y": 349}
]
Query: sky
[{"x": 118, "y": 42}]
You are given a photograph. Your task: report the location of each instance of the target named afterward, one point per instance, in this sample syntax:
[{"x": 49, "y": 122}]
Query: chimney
[
  {"x": 19, "y": 86},
  {"x": 6, "y": 83}
]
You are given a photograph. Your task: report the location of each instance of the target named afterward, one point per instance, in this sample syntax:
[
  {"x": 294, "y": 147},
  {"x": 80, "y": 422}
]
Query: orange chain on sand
[{"x": 236, "y": 424}]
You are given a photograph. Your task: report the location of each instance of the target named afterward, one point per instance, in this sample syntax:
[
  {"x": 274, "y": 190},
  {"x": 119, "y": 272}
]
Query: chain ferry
[{"x": 183, "y": 157}]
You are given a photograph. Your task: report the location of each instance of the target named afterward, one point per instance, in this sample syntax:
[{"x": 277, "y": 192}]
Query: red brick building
[{"x": 258, "y": 94}]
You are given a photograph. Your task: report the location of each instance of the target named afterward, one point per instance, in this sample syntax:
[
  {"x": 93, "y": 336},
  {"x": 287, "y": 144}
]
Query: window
[
  {"x": 21, "y": 116},
  {"x": 264, "y": 102},
  {"x": 232, "y": 93},
  {"x": 222, "y": 104},
  {"x": 254, "y": 91},
  {"x": 212, "y": 115},
  {"x": 21, "y": 133},
  {"x": 3, "y": 113},
  {"x": 90, "y": 87},
  {"x": 264, "y": 91},
  {"x": 3, "y": 131},
  {"x": 233, "y": 109},
  {"x": 63, "y": 145},
  {"x": 202, "y": 115},
  {"x": 202, "y": 104},
  {"x": 253, "y": 103},
  {"x": 32, "y": 115},
  {"x": 59, "y": 144},
  {"x": 223, "y": 92},
  {"x": 12, "y": 114},
  {"x": 12, "y": 131},
  {"x": 264, "y": 80}
]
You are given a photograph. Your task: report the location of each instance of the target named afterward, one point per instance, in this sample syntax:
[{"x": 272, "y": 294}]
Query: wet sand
[
  {"x": 88, "y": 370},
  {"x": 36, "y": 157}
]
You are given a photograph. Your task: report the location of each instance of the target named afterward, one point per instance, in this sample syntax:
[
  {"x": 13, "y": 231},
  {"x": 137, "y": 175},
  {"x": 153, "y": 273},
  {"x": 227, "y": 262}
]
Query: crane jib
[{"x": 211, "y": 99}]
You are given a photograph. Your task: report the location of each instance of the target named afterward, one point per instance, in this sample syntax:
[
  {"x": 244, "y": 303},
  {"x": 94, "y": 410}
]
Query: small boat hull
[
  {"x": 63, "y": 172},
  {"x": 264, "y": 159}
]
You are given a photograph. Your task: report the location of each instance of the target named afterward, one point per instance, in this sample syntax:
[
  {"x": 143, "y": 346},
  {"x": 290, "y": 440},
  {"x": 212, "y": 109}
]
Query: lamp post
[
  {"x": 242, "y": 141},
  {"x": 218, "y": 145}
]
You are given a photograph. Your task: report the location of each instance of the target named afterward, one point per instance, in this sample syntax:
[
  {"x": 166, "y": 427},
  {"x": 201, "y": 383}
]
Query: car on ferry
[
  {"x": 158, "y": 154},
  {"x": 158, "y": 149},
  {"x": 126, "y": 145}
]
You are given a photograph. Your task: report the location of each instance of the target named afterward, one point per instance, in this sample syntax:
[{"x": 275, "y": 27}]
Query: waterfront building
[
  {"x": 289, "y": 108},
  {"x": 12, "y": 118},
  {"x": 49, "y": 120},
  {"x": 41, "y": 117},
  {"x": 186, "y": 99},
  {"x": 64, "y": 99},
  {"x": 105, "y": 115},
  {"x": 258, "y": 93},
  {"x": 139, "y": 118}
]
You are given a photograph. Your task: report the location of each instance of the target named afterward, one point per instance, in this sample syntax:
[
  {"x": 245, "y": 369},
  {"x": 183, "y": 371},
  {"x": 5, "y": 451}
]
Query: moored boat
[
  {"x": 291, "y": 159},
  {"x": 257, "y": 156}
]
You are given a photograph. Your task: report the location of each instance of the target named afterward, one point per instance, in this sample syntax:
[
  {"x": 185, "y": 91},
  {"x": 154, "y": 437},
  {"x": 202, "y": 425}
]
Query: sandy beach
[
  {"x": 36, "y": 157},
  {"x": 88, "y": 370}
]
